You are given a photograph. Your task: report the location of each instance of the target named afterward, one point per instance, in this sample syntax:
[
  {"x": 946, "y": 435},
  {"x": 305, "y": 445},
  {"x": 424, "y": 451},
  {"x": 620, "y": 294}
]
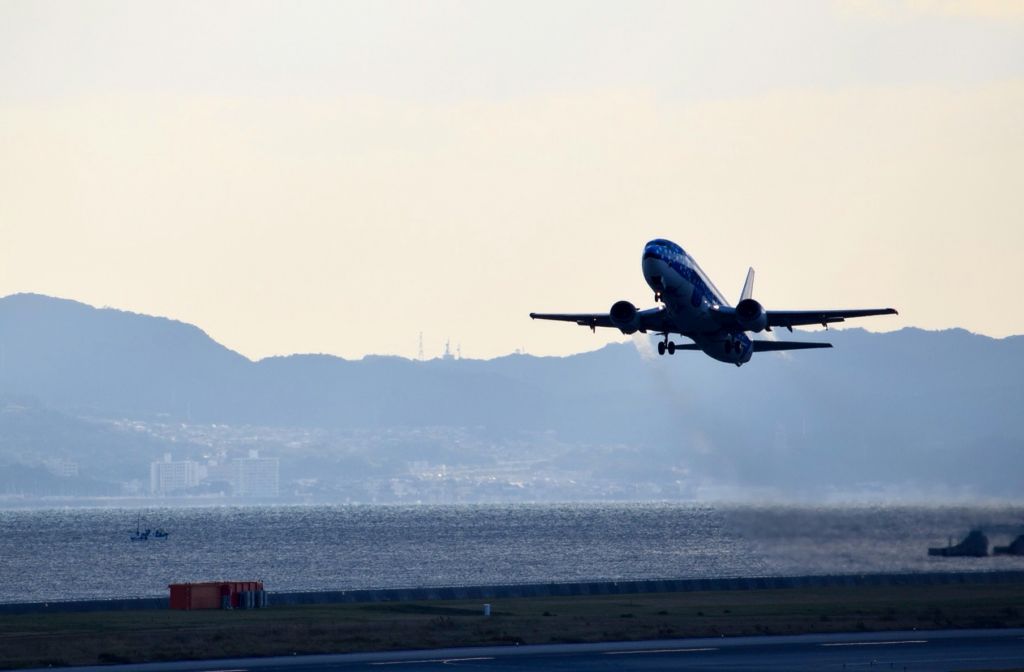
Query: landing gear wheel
[
  {"x": 661, "y": 347},
  {"x": 671, "y": 348}
]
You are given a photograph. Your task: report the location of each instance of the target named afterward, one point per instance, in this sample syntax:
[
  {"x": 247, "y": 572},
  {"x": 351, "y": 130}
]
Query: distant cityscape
[
  {"x": 436, "y": 465},
  {"x": 251, "y": 476}
]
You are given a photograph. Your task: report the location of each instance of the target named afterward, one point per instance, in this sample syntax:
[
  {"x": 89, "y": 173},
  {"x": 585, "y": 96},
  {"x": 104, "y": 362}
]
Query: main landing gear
[{"x": 666, "y": 345}]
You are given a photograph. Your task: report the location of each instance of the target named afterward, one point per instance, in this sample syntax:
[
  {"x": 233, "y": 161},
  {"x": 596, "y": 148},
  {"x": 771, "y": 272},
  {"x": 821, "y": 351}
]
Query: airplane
[{"x": 694, "y": 308}]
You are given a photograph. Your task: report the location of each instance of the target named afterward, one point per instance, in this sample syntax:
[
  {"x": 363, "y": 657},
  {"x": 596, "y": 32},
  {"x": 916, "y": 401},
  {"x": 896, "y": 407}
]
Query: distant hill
[
  {"x": 111, "y": 362},
  {"x": 929, "y": 410}
]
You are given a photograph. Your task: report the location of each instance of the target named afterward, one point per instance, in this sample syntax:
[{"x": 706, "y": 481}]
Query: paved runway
[{"x": 917, "y": 651}]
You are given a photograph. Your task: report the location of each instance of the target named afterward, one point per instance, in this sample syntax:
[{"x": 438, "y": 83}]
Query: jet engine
[
  {"x": 751, "y": 316},
  {"x": 624, "y": 316}
]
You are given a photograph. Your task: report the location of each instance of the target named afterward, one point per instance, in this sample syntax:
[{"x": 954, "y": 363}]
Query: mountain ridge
[{"x": 903, "y": 406}]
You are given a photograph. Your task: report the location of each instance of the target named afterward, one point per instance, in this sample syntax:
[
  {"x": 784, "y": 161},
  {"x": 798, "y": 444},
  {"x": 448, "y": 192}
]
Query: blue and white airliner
[{"x": 694, "y": 308}]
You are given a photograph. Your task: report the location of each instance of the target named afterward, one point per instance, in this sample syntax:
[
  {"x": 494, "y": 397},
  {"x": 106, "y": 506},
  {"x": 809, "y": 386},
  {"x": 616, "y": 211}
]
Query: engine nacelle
[
  {"x": 624, "y": 315},
  {"x": 751, "y": 316}
]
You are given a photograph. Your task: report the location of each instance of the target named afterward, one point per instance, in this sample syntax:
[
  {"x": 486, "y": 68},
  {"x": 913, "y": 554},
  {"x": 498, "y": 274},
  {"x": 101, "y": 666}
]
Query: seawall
[{"x": 548, "y": 590}]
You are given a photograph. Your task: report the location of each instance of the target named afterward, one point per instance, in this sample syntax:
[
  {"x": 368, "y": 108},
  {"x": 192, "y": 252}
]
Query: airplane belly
[
  {"x": 731, "y": 348},
  {"x": 666, "y": 281},
  {"x": 691, "y": 320},
  {"x": 677, "y": 294}
]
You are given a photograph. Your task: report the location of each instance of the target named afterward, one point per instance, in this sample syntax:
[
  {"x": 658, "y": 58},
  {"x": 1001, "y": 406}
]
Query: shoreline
[{"x": 551, "y": 589}]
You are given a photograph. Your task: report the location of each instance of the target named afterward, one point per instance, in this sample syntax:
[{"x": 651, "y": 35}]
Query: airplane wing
[
  {"x": 767, "y": 346},
  {"x": 795, "y": 318},
  {"x": 726, "y": 317},
  {"x": 591, "y": 320},
  {"x": 652, "y": 319}
]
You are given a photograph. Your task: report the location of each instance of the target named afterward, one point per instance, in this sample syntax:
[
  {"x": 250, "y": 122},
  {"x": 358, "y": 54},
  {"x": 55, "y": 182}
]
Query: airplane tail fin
[{"x": 748, "y": 286}]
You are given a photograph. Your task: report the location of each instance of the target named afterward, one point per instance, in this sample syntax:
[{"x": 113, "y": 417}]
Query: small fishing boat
[{"x": 143, "y": 534}]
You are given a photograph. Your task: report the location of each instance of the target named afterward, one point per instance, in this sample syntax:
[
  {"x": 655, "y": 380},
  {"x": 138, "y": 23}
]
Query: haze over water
[{"x": 86, "y": 553}]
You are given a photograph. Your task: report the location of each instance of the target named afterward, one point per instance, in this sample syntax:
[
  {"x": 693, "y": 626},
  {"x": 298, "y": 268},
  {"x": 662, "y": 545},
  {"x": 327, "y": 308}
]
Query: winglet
[{"x": 748, "y": 286}]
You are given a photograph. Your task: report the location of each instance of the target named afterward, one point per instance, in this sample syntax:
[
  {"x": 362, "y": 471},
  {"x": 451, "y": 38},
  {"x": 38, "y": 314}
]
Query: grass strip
[{"x": 40, "y": 640}]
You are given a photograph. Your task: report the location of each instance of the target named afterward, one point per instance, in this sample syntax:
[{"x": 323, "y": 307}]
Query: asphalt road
[{"x": 917, "y": 650}]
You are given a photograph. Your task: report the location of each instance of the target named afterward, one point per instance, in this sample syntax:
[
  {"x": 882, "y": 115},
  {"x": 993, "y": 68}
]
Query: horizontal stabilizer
[{"x": 767, "y": 346}]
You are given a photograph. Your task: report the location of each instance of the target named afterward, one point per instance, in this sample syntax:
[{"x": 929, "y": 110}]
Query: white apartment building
[
  {"x": 168, "y": 477},
  {"x": 255, "y": 476}
]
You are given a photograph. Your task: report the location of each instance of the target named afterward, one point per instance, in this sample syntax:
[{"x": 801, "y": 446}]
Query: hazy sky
[{"x": 339, "y": 176}]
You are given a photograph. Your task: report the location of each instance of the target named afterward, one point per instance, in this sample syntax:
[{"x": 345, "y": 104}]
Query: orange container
[{"x": 210, "y": 594}]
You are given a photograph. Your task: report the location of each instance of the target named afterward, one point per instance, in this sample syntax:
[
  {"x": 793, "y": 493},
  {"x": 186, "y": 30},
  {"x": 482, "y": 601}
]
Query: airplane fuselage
[{"x": 690, "y": 299}]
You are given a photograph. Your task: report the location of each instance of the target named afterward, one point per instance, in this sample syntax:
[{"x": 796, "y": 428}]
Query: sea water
[{"x": 60, "y": 554}]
